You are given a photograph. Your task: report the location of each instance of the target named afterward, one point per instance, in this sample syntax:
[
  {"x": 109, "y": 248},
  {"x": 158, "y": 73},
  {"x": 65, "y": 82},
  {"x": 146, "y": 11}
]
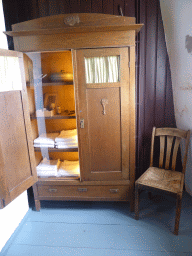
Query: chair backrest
[{"x": 170, "y": 139}]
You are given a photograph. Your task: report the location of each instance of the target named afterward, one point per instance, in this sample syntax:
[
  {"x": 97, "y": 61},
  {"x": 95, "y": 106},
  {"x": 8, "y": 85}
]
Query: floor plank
[
  {"x": 23, "y": 250},
  {"x": 101, "y": 237},
  {"x": 105, "y": 228}
]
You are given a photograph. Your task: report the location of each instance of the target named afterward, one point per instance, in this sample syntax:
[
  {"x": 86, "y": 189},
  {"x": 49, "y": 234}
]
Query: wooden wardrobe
[{"x": 99, "y": 102}]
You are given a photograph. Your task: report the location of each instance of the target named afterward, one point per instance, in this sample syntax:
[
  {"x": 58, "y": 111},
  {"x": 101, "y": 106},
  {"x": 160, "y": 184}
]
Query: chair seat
[{"x": 162, "y": 179}]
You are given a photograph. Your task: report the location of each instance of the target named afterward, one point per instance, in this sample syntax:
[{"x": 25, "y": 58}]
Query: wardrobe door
[
  {"x": 17, "y": 168},
  {"x": 102, "y": 103}
]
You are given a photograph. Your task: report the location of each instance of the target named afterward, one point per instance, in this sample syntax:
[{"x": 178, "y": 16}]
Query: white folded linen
[
  {"x": 69, "y": 168},
  {"x": 69, "y": 145},
  {"x": 38, "y": 145},
  {"x": 69, "y": 139},
  {"x": 66, "y": 143},
  {"x": 48, "y": 167},
  {"x": 67, "y": 135},
  {"x": 46, "y": 173},
  {"x": 46, "y": 138}
]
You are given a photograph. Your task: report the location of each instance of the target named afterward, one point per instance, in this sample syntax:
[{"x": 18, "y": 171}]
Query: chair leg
[
  {"x": 178, "y": 213},
  {"x": 136, "y": 202}
]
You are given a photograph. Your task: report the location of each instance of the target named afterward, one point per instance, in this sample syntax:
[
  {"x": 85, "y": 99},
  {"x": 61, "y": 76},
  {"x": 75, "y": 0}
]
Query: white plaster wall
[
  {"x": 177, "y": 20},
  {"x": 11, "y": 215}
]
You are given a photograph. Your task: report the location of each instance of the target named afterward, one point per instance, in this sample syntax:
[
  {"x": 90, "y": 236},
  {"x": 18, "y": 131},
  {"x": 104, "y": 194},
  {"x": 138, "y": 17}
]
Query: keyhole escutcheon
[{"x": 104, "y": 102}]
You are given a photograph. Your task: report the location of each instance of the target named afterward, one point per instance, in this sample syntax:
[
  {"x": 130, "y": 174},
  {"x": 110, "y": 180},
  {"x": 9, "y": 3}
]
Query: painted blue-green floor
[{"x": 104, "y": 228}]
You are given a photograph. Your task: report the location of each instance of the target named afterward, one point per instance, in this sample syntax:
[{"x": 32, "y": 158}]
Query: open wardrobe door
[{"x": 17, "y": 161}]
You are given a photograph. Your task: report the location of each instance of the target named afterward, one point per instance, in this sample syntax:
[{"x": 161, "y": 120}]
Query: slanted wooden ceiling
[{"x": 153, "y": 79}]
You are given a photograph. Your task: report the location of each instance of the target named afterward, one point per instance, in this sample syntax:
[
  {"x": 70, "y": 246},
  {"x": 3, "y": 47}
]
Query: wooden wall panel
[
  {"x": 154, "y": 87},
  {"x": 86, "y": 6},
  {"x": 108, "y": 6},
  {"x": 97, "y": 6},
  {"x": 75, "y": 6},
  {"x": 161, "y": 74},
  {"x": 64, "y": 6},
  {"x": 153, "y": 78},
  {"x": 141, "y": 82},
  {"x": 43, "y": 7},
  {"x": 53, "y": 7},
  {"x": 129, "y": 8},
  {"x": 169, "y": 118},
  {"x": 116, "y": 5},
  {"x": 34, "y": 9},
  {"x": 151, "y": 62},
  {"x": 150, "y": 82}
]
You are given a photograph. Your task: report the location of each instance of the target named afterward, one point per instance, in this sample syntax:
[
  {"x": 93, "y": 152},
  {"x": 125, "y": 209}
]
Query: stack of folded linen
[
  {"x": 48, "y": 167},
  {"x": 69, "y": 169},
  {"x": 67, "y": 139},
  {"x": 46, "y": 140}
]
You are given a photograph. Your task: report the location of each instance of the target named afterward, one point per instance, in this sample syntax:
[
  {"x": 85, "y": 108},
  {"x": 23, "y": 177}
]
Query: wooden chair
[{"x": 165, "y": 179}]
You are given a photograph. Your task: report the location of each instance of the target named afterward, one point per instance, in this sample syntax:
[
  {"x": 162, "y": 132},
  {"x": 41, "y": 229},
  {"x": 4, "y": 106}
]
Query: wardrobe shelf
[
  {"x": 59, "y": 180},
  {"x": 59, "y": 116},
  {"x": 38, "y": 149},
  {"x": 50, "y": 83}
]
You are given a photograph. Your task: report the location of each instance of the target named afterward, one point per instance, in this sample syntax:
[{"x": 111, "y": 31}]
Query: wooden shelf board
[
  {"x": 50, "y": 83},
  {"x": 72, "y": 30},
  {"x": 38, "y": 149},
  {"x": 53, "y": 179},
  {"x": 59, "y": 116},
  {"x": 76, "y": 181}
]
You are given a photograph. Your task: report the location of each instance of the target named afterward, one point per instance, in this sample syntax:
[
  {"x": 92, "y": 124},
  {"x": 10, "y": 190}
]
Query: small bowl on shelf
[{"x": 61, "y": 77}]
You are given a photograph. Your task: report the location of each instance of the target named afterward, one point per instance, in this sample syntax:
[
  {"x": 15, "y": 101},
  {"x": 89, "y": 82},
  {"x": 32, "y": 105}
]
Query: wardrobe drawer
[{"x": 83, "y": 192}]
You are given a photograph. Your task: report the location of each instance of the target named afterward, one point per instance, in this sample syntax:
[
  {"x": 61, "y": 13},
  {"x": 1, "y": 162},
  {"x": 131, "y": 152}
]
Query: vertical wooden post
[{"x": 37, "y": 202}]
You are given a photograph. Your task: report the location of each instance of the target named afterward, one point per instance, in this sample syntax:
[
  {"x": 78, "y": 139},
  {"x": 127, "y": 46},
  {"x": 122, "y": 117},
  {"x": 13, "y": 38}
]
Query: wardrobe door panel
[
  {"x": 17, "y": 171},
  {"x": 104, "y": 129},
  {"x": 102, "y": 102}
]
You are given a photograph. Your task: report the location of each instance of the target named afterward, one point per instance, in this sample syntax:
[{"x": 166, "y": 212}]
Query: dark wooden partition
[{"x": 154, "y": 88}]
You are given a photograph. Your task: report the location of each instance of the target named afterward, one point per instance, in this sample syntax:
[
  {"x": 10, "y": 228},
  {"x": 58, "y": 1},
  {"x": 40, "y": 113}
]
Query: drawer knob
[
  {"x": 112, "y": 190},
  {"x": 52, "y": 190},
  {"x": 82, "y": 189}
]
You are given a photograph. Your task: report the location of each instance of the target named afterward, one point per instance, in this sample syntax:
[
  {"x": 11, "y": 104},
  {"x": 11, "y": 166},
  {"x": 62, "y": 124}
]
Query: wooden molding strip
[{"x": 73, "y": 30}]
